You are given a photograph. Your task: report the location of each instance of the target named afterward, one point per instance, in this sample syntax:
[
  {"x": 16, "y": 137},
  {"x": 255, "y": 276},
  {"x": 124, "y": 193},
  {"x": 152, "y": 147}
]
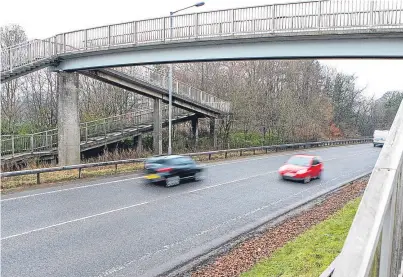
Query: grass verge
[{"x": 311, "y": 252}]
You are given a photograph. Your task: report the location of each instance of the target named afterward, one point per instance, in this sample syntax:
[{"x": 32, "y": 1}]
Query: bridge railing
[
  {"x": 296, "y": 18},
  {"x": 29, "y": 143},
  {"x": 120, "y": 123},
  {"x": 374, "y": 245},
  {"x": 101, "y": 128},
  {"x": 158, "y": 79}
]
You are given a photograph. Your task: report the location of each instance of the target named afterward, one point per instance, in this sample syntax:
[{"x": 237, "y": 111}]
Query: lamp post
[{"x": 170, "y": 78}]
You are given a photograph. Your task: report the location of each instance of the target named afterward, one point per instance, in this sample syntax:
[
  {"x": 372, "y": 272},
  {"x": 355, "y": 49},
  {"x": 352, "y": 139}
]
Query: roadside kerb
[{"x": 184, "y": 263}]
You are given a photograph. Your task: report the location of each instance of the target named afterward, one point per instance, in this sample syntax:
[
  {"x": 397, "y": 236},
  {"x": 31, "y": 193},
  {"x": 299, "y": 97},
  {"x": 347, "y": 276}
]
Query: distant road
[{"x": 119, "y": 226}]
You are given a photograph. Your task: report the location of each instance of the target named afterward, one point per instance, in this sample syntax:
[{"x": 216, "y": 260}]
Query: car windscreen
[{"x": 300, "y": 161}]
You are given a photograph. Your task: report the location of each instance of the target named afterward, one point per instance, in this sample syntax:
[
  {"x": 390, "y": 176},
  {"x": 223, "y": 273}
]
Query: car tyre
[
  {"x": 197, "y": 177},
  {"x": 307, "y": 179},
  {"x": 172, "y": 181}
]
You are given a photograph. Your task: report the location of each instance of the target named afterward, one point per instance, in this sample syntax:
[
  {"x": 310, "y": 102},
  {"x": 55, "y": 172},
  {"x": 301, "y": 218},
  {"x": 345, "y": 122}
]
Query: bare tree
[{"x": 10, "y": 94}]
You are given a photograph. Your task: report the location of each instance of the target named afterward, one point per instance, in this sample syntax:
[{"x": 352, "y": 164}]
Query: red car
[{"x": 302, "y": 168}]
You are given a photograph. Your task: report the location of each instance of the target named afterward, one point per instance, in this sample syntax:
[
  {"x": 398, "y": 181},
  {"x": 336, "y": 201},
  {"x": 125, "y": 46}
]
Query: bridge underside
[
  {"x": 133, "y": 84},
  {"x": 313, "y": 46}
]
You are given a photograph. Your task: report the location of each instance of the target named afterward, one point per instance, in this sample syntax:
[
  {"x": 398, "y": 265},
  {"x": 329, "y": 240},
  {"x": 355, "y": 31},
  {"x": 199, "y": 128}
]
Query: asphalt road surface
[{"x": 120, "y": 226}]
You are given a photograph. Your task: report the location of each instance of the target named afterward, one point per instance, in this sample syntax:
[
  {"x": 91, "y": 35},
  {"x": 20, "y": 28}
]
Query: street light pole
[
  {"x": 170, "y": 85},
  {"x": 170, "y": 98}
]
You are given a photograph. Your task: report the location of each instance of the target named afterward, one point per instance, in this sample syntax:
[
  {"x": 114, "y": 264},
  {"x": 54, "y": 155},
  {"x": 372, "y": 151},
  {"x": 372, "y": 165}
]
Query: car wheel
[
  {"x": 198, "y": 176},
  {"x": 307, "y": 179},
  {"x": 172, "y": 181},
  {"x": 319, "y": 175}
]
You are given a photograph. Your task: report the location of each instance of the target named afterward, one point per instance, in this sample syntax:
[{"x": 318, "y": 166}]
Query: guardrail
[
  {"x": 289, "y": 18},
  {"x": 209, "y": 154},
  {"x": 47, "y": 140},
  {"x": 374, "y": 245}
]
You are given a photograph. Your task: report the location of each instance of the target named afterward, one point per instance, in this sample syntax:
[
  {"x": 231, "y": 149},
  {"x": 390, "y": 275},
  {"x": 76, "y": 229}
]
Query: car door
[
  {"x": 193, "y": 169},
  {"x": 182, "y": 167},
  {"x": 315, "y": 167},
  {"x": 189, "y": 167}
]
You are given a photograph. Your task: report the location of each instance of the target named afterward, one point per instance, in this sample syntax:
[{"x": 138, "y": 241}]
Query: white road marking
[
  {"x": 215, "y": 227},
  {"x": 134, "y": 205},
  {"x": 74, "y": 220},
  {"x": 69, "y": 189},
  {"x": 207, "y": 165},
  {"x": 269, "y": 155}
]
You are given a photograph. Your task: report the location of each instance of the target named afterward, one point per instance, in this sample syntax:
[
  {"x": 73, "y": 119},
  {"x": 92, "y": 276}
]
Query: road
[{"x": 119, "y": 226}]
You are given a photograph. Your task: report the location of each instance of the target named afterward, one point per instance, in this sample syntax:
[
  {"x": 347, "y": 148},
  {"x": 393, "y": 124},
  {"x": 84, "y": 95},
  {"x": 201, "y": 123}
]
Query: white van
[{"x": 380, "y": 137}]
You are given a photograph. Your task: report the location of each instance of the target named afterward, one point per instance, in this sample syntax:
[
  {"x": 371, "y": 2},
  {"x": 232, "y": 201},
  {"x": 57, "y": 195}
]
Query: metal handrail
[
  {"x": 308, "y": 16},
  {"x": 374, "y": 245},
  {"x": 48, "y": 140},
  {"x": 160, "y": 80},
  {"x": 209, "y": 154}
]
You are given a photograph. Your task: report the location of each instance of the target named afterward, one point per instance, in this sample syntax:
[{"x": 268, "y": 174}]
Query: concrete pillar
[
  {"x": 195, "y": 130},
  {"x": 213, "y": 132},
  {"x": 157, "y": 132},
  {"x": 139, "y": 143},
  {"x": 68, "y": 121}
]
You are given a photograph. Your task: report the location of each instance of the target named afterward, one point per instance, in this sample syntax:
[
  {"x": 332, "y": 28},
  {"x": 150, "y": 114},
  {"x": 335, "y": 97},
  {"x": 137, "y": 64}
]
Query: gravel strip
[{"x": 246, "y": 254}]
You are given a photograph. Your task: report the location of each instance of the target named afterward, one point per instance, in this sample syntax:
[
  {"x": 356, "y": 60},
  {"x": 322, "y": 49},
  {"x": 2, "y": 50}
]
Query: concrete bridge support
[
  {"x": 68, "y": 119},
  {"x": 138, "y": 143},
  {"x": 157, "y": 125},
  {"x": 195, "y": 131},
  {"x": 213, "y": 132}
]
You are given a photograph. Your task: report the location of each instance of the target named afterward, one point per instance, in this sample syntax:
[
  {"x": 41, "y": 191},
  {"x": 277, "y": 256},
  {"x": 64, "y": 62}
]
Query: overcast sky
[{"x": 45, "y": 18}]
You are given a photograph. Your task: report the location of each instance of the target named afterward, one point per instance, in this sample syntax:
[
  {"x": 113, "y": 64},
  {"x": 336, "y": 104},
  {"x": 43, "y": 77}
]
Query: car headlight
[{"x": 301, "y": 171}]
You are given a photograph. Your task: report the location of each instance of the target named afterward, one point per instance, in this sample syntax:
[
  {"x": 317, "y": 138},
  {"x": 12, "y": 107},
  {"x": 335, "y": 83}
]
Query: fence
[
  {"x": 292, "y": 18},
  {"x": 374, "y": 245},
  {"x": 209, "y": 154},
  {"x": 101, "y": 128}
]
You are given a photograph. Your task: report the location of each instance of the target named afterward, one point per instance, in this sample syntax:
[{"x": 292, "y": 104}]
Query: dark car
[{"x": 170, "y": 170}]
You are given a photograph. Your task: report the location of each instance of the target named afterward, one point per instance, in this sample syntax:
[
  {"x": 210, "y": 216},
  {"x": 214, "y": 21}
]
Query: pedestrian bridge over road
[
  {"x": 93, "y": 134},
  {"x": 189, "y": 103},
  {"x": 312, "y": 29}
]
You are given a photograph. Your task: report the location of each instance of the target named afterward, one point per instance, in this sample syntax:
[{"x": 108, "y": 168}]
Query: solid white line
[
  {"x": 74, "y": 220},
  {"x": 68, "y": 189},
  {"x": 132, "y": 206},
  {"x": 164, "y": 248}
]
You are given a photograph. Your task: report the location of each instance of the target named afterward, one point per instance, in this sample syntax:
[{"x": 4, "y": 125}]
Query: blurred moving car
[
  {"x": 380, "y": 137},
  {"x": 171, "y": 170},
  {"x": 302, "y": 168}
]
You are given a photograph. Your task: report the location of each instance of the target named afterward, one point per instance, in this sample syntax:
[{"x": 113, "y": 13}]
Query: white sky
[{"x": 45, "y": 18}]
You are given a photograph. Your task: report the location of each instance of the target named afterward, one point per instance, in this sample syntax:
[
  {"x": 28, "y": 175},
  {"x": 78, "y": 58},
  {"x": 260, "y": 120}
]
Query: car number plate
[
  {"x": 152, "y": 176},
  {"x": 289, "y": 174}
]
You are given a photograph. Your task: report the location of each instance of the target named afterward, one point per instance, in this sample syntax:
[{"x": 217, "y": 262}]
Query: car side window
[
  {"x": 315, "y": 161},
  {"x": 182, "y": 161},
  {"x": 188, "y": 160}
]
